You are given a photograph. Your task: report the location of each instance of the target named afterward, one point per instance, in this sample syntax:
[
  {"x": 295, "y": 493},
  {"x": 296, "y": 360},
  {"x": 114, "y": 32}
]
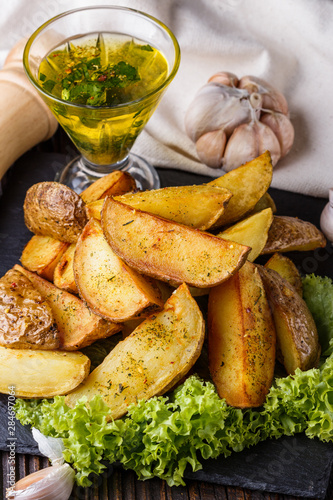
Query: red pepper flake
[
  {"x": 55, "y": 55},
  {"x": 102, "y": 78},
  {"x": 13, "y": 285},
  {"x": 145, "y": 381},
  {"x": 171, "y": 362}
]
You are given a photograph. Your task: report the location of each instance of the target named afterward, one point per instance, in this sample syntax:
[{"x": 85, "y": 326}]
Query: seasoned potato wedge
[
  {"x": 297, "y": 337},
  {"x": 247, "y": 184},
  {"x": 195, "y": 206},
  {"x": 151, "y": 360},
  {"x": 116, "y": 182},
  {"x": 252, "y": 231},
  {"x": 241, "y": 339},
  {"x": 41, "y": 255},
  {"x": 108, "y": 286},
  {"x": 167, "y": 250},
  {"x": 287, "y": 269},
  {"x": 77, "y": 325},
  {"x": 288, "y": 234},
  {"x": 53, "y": 209},
  {"x": 63, "y": 276},
  {"x": 41, "y": 374},
  {"x": 26, "y": 319}
]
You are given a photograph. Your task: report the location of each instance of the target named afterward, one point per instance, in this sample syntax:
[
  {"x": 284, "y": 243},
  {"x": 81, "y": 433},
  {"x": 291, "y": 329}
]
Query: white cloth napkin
[{"x": 288, "y": 43}]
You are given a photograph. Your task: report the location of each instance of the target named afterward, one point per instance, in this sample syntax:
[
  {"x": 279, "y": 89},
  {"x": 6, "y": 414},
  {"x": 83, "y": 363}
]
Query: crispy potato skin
[
  {"x": 77, "y": 325},
  {"x": 58, "y": 372},
  {"x": 288, "y": 234},
  {"x": 169, "y": 251},
  {"x": 152, "y": 359},
  {"x": 26, "y": 319},
  {"x": 287, "y": 269},
  {"x": 297, "y": 337},
  {"x": 248, "y": 183},
  {"x": 241, "y": 339},
  {"x": 53, "y": 209}
]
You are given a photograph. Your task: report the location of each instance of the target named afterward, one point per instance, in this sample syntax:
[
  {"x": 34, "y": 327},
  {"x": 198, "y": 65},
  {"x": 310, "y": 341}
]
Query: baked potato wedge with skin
[
  {"x": 63, "y": 276},
  {"x": 288, "y": 234},
  {"x": 195, "y": 206},
  {"x": 287, "y": 269},
  {"x": 110, "y": 287},
  {"x": 150, "y": 361},
  {"x": 77, "y": 325},
  {"x": 53, "y": 209},
  {"x": 241, "y": 339},
  {"x": 247, "y": 183},
  {"x": 296, "y": 333},
  {"x": 252, "y": 231},
  {"x": 26, "y": 319},
  {"x": 115, "y": 183},
  {"x": 41, "y": 374},
  {"x": 41, "y": 255},
  {"x": 167, "y": 250}
]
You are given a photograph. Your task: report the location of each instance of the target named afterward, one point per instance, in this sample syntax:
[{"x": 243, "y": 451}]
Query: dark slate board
[{"x": 291, "y": 465}]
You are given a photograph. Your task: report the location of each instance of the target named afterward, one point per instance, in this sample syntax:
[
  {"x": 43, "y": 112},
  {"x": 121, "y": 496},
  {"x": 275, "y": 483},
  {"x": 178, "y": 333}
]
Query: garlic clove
[
  {"x": 210, "y": 147},
  {"x": 282, "y": 128},
  {"x": 248, "y": 141},
  {"x": 52, "y": 483},
  {"x": 215, "y": 107},
  {"x": 225, "y": 78},
  {"x": 326, "y": 218},
  {"x": 272, "y": 98}
]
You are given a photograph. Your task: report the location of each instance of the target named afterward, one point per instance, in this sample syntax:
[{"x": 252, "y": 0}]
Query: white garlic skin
[
  {"x": 282, "y": 128},
  {"x": 225, "y": 78},
  {"x": 214, "y": 107},
  {"x": 248, "y": 141},
  {"x": 272, "y": 98},
  {"x": 52, "y": 483},
  {"x": 210, "y": 148},
  {"x": 326, "y": 218}
]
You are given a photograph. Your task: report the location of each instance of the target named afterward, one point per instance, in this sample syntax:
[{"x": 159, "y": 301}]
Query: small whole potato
[{"x": 53, "y": 209}]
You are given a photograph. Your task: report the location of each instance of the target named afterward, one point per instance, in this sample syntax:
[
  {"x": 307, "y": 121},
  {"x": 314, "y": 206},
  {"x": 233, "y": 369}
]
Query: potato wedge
[
  {"x": 116, "y": 182},
  {"x": 297, "y": 337},
  {"x": 195, "y": 206},
  {"x": 266, "y": 201},
  {"x": 26, "y": 319},
  {"x": 241, "y": 339},
  {"x": 288, "y": 234},
  {"x": 108, "y": 286},
  {"x": 248, "y": 184},
  {"x": 63, "y": 276},
  {"x": 41, "y": 374},
  {"x": 41, "y": 255},
  {"x": 287, "y": 269},
  {"x": 151, "y": 360},
  {"x": 252, "y": 231},
  {"x": 77, "y": 325},
  {"x": 53, "y": 209},
  {"x": 167, "y": 250}
]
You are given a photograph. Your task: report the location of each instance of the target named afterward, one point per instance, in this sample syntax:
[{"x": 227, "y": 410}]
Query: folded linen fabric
[{"x": 289, "y": 44}]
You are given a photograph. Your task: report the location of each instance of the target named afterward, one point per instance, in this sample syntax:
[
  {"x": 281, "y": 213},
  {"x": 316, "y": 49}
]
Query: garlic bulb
[
  {"x": 52, "y": 483},
  {"x": 326, "y": 218},
  {"x": 232, "y": 121}
]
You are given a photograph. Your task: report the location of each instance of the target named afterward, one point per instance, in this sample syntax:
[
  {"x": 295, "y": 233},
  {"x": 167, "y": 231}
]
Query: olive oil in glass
[{"x": 105, "y": 88}]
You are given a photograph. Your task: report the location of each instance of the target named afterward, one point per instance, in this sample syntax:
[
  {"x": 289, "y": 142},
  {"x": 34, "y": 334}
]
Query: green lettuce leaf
[{"x": 318, "y": 294}]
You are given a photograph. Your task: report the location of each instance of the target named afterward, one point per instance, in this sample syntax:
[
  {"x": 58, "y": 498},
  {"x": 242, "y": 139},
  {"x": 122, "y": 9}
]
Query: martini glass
[{"x": 104, "y": 135}]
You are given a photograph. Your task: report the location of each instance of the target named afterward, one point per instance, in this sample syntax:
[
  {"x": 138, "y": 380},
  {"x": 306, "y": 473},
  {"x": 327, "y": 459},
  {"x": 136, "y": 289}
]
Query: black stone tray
[{"x": 295, "y": 465}]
